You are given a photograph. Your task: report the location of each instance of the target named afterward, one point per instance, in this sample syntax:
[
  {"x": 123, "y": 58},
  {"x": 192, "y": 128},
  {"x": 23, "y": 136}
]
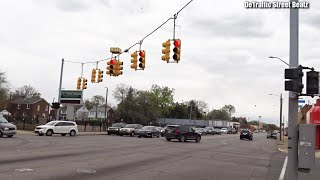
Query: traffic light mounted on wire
[
  {"x": 295, "y": 79},
  {"x": 142, "y": 59},
  {"x": 84, "y": 83},
  {"x": 110, "y": 67},
  {"x": 79, "y": 83},
  {"x": 312, "y": 83},
  {"x": 118, "y": 68},
  {"x": 176, "y": 50},
  {"x": 93, "y": 75},
  {"x": 134, "y": 60},
  {"x": 100, "y": 75},
  {"x": 166, "y": 51}
]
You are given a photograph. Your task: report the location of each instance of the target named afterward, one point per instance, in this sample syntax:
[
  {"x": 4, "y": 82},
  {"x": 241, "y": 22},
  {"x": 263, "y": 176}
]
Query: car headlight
[{"x": 6, "y": 129}]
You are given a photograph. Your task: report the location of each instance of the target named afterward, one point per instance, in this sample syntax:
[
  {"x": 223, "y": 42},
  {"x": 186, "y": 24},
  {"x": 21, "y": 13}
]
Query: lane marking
[
  {"x": 283, "y": 171},
  {"x": 88, "y": 171},
  {"x": 24, "y": 169}
]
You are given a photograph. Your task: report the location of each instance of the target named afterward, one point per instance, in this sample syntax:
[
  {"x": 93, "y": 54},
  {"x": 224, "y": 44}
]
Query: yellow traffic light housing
[
  {"x": 110, "y": 67},
  {"x": 84, "y": 83},
  {"x": 93, "y": 75},
  {"x": 166, "y": 51},
  {"x": 118, "y": 68},
  {"x": 79, "y": 84},
  {"x": 142, "y": 59},
  {"x": 176, "y": 50},
  {"x": 134, "y": 60},
  {"x": 100, "y": 75}
]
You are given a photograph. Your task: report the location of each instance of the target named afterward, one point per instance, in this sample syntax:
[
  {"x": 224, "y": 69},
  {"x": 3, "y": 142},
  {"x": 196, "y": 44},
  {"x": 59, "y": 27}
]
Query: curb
[
  {"x": 79, "y": 133},
  {"x": 286, "y": 151}
]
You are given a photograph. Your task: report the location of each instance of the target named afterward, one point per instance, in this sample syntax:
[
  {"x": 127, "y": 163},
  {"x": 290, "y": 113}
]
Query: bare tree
[
  {"x": 121, "y": 91},
  {"x": 26, "y": 91},
  {"x": 4, "y": 89}
]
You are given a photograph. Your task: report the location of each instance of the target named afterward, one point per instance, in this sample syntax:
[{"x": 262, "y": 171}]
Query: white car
[
  {"x": 57, "y": 127},
  {"x": 224, "y": 130}
]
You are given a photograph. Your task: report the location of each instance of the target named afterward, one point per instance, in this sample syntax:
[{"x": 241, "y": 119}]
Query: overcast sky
[{"x": 224, "y": 53}]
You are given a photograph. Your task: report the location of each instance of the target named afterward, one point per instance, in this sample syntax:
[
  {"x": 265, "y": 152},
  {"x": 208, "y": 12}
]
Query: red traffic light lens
[
  {"x": 176, "y": 43},
  {"x": 112, "y": 62},
  {"x": 141, "y": 54}
]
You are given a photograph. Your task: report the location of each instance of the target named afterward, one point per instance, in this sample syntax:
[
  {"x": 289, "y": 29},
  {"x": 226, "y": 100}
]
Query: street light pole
[
  {"x": 280, "y": 116},
  {"x": 292, "y": 168},
  {"x": 281, "y": 100},
  {"x": 105, "y": 108},
  {"x": 273, "y": 57}
]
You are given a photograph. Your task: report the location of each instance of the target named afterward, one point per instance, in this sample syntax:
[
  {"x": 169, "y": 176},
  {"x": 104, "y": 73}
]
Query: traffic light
[
  {"x": 84, "y": 83},
  {"x": 142, "y": 59},
  {"x": 295, "y": 79},
  {"x": 110, "y": 67},
  {"x": 134, "y": 60},
  {"x": 93, "y": 75},
  {"x": 176, "y": 50},
  {"x": 312, "y": 83},
  {"x": 100, "y": 75},
  {"x": 166, "y": 51},
  {"x": 79, "y": 83},
  {"x": 55, "y": 105},
  {"x": 118, "y": 68}
]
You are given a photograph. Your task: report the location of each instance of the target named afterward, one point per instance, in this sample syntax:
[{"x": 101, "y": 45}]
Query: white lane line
[{"x": 284, "y": 168}]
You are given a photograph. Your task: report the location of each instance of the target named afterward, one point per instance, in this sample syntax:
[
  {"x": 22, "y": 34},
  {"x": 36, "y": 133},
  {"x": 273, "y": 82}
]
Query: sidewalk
[
  {"x": 79, "y": 133},
  {"x": 283, "y": 146}
]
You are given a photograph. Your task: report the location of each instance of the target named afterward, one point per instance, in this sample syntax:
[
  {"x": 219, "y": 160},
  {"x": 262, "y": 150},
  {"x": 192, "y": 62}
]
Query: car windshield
[
  {"x": 117, "y": 125},
  {"x": 208, "y": 128},
  {"x": 51, "y": 123},
  {"x": 3, "y": 120},
  {"x": 223, "y": 128},
  {"x": 244, "y": 131},
  {"x": 148, "y": 127},
  {"x": 130, "y": 126}
]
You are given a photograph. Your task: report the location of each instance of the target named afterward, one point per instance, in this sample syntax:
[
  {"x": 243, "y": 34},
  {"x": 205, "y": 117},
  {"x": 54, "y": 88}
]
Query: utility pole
[
  {"x": 292, "y": 168},
  {"x": 105, "y": 108},
  {"x": 280, "y": 116},
  {"x": 60, "y": 86}
]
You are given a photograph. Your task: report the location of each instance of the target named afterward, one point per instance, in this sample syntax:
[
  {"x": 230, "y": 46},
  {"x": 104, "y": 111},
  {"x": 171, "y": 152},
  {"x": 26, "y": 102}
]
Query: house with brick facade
[{"x": 28, "y": 108}]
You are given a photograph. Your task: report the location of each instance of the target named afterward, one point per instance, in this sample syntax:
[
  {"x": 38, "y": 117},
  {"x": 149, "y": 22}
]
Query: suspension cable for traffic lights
[{"x": 174, "y": 17}]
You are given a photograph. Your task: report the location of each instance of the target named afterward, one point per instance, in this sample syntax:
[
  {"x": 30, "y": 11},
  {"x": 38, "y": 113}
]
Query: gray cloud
[
  {"x": 232, "y": 26},
  {"x": 71, "y": 5}
]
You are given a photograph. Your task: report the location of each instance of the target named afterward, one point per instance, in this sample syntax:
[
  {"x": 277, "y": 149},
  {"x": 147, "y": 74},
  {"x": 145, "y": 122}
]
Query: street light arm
[{"x": 279, "y": 59}]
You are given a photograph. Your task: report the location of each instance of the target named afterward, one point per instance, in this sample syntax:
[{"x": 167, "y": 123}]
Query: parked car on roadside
[
  {"x": 149, "y": 131},
  {"x": 210, "y": 130},
  {"x": 246, "y": 134},
  {"x": 202, "y": 131},
  {"x": 7, "y": 128},
  {"x": 233, "y": 131},
  {"x": 115, "y": 128},
  {"x": 182, "y": 133},
  {"x": 224, "y": 130},
  {"x": 57, "y": 127},
  {"x": 272, "y": 135},
  {"x": 129, "y": 129},
  {"x": 217, "y": 131}
]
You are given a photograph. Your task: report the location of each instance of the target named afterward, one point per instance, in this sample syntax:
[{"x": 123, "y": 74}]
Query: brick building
[{"x": 28, "y": 108}]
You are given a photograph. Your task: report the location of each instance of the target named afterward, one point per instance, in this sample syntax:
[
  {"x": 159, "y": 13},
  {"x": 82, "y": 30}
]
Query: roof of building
[
  {"x": 26, "y": 100},
  {"x": 99, "y": 109}
]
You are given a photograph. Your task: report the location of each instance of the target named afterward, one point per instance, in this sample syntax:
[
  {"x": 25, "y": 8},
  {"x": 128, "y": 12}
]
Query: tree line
[{"x": 144, "y": 106}]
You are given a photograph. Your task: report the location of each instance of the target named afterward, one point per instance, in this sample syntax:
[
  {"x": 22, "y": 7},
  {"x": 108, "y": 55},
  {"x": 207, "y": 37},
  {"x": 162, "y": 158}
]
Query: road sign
[
  {"x": 115, "y": 50},
  {"x": 71, "y": 97}
]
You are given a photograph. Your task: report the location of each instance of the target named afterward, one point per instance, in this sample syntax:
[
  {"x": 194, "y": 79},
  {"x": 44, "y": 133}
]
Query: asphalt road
[{"x": 101, "y": 157}]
